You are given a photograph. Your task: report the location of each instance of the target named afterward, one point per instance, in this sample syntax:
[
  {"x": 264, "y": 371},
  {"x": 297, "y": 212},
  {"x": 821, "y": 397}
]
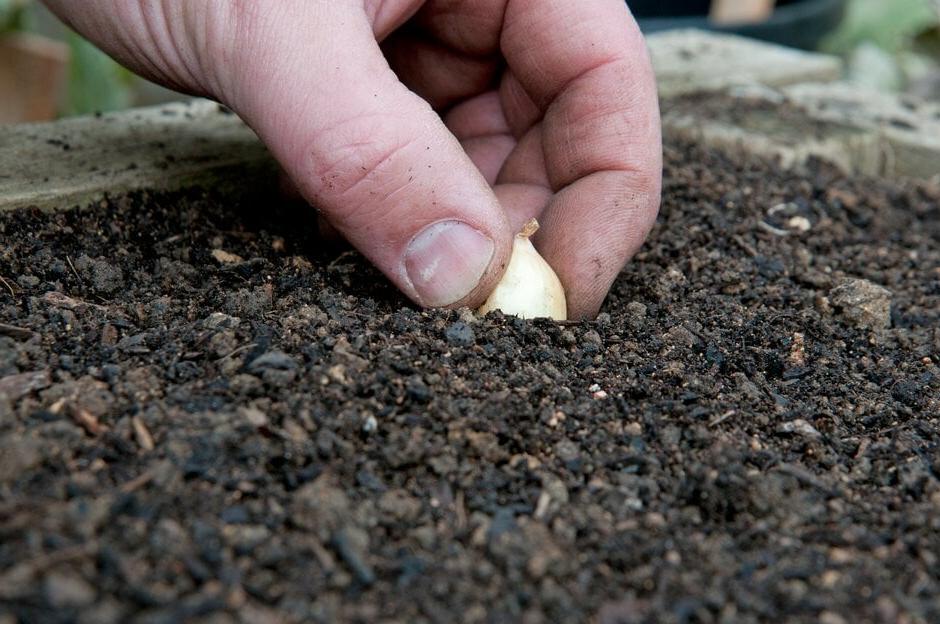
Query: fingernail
[{"x": 446, "y": 260}]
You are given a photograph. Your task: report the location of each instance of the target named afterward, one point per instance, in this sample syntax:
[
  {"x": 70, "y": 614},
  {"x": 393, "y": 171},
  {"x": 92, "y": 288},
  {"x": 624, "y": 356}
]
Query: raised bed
[{"x": 207, "y": 412}]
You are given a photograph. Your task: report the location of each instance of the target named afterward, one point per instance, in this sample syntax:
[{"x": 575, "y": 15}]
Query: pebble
[
  {"x": 18, "y": 455},
  {"x": 552, "y": 498},
  {"x": 218, "y": 320},
  {"x": 417, "y": 390},
  {"x": 400, "y": 505},
  {"x": 862, "y": 303},
  {"x": 225, "y": 257},
  {"x": 352, "y": 545},
  {"x": 272, "y": 359},
  {"x": 21, "y": 384},
  {"x": 104, "y": 277},
  {"x": 136, "y": 344},
  {"x": 633, "y": 429},
  {"x": 799, "y": 224},
  {"x": 681, "y": 336},
  {"x": 250, "y": 304},
  {"x": 68, "y": 591},
  {"x": 7, "y": 416},
  {"x": 253, "y": 416},
  {"x": 566, "y": 450},
  {"x": 460, "y": 334},
  {"x": 636, "y": 314},
  {"x": 28, "y": 281},
  {"x": 801, "y": 427},
  {"x": 321, "y": 507},
  {"x": 236, "y": 514},
  {"x": 592, "y": 337},
  {"x": 245, "y": 538},
  {"x": 504, "y": 521},
  {"x": 670, "y": 284},
  {"x": 831, "y": 617},
  {"x": 108, "y": 611}
]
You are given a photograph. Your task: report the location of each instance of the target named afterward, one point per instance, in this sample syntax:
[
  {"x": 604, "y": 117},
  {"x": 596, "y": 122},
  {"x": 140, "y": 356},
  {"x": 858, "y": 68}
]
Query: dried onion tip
[{"x": 529, "y": 287}]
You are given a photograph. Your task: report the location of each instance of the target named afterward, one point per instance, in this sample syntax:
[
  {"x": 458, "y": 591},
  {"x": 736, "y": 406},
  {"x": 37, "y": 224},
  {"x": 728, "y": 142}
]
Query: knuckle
[{"x": 359, "y": 161}]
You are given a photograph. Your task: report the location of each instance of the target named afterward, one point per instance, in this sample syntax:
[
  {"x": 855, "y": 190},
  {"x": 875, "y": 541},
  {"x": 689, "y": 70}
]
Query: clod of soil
[{"x": 273, "y": 434}]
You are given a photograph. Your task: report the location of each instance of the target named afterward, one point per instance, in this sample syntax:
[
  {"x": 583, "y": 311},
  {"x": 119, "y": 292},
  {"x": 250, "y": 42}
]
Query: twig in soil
[
  {"x": 744, "y": 245},
  {"x": 722, "y": 418},
  {"x": 137, "y": 482},
  {"x": 60, "y": 300},
  {"x": 327, "y": 562},
  {"x": 891, "y": 429},
  {"x": 862, "y": 447},
  {"x": 44, "y": 561},
  {"x": 88, "y": 422},
  {"x": 350, "y": 555},
  {"x": 73, "y": 268},
  {"x": 333, "y": 266},
  {"x": 237, "y": 351},
  {"x": 804, "y": 476},
  {"x": 142, "y": 434},
  {"x": 19, "y": 333},
  {"x": 769, "y": 228},
  {"x": 82, "y": 417},
  {"x": 460, "y": 512},
  {"x": 7, "y": 284}
]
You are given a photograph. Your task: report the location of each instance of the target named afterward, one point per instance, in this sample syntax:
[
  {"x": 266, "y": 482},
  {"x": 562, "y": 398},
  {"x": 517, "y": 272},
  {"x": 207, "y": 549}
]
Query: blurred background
[{"x": 48, "y": 72}]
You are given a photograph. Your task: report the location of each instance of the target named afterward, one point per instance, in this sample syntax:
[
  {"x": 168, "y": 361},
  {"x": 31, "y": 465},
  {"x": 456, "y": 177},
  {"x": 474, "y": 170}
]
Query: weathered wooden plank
[
  {"x": 77, "y": 161},
  {"x": 908, "y": 128},
  {"x": 764, "y": 122},
  {"x": 686, "y": 61},
  {"x": 858, "y": 130}
]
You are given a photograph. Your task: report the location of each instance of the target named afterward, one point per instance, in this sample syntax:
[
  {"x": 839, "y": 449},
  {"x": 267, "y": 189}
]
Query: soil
[{"x": 207, "y": 414}]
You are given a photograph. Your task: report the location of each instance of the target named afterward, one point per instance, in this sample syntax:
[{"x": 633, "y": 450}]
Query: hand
[{"x": 549, "y": 110}]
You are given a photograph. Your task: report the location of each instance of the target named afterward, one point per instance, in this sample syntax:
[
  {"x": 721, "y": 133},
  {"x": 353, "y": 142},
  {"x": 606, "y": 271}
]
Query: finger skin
[
  {"x": 585, "y": 66},
  {"x": 373, "y": 156},
  {"x": 552, "y": 101},
  {"x": 311, "y": 80},
  {"x": 578, "y": 95}
]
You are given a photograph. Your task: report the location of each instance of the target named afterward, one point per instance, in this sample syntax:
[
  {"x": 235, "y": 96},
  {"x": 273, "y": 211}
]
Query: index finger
[{"x": 586, "y": 67}]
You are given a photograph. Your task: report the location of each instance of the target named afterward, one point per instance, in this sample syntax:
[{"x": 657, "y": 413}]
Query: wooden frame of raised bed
[{"x": 718, "y": 89}]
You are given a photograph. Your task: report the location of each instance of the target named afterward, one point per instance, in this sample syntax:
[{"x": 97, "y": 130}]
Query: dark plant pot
[{"x": 794, "y": 23}]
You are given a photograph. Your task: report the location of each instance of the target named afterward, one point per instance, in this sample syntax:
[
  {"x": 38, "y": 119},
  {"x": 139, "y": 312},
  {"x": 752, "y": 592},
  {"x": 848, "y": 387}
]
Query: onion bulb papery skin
[{"x": 529, "y": 287}]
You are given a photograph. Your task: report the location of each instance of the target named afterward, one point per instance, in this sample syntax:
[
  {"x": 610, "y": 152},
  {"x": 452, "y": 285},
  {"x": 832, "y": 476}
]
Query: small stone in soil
[
  {"x": 277, "y": 360},
  {"x": 352, "y": 544},
  {"x": 863, "y": 303},
  {"x": 67, "y": 591},
  {"x": 460, "y": 334},
  {"x": 104, "y": 277}
]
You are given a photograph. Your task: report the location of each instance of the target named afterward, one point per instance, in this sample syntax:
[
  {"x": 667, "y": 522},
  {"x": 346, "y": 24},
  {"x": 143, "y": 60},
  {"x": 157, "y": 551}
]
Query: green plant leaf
[
  {"x": 889, "y": 25},
  {"x": 96, "y": 82}
]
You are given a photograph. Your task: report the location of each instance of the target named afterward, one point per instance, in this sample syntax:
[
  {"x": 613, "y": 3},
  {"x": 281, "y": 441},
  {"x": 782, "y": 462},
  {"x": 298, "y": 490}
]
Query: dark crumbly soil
[{"x": 283, "y": 438}]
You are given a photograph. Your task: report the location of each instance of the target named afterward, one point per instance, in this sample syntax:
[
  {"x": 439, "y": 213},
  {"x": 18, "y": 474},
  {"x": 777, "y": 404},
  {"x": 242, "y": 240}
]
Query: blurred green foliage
[
  {"x": 95, "y": 82},
  {"x": 11, "y": 15},
  {"x": 889, "y": 24}
]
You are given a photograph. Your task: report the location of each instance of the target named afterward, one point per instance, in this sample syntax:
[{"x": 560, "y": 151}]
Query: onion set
[{"x": 529, "y": 287}]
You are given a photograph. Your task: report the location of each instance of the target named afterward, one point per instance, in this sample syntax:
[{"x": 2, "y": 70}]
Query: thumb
[{"x": 370, "y": 154}]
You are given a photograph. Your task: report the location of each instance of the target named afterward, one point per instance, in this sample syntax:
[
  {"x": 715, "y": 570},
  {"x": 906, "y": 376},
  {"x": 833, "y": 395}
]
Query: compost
[{"x": 209, "y": 414}]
